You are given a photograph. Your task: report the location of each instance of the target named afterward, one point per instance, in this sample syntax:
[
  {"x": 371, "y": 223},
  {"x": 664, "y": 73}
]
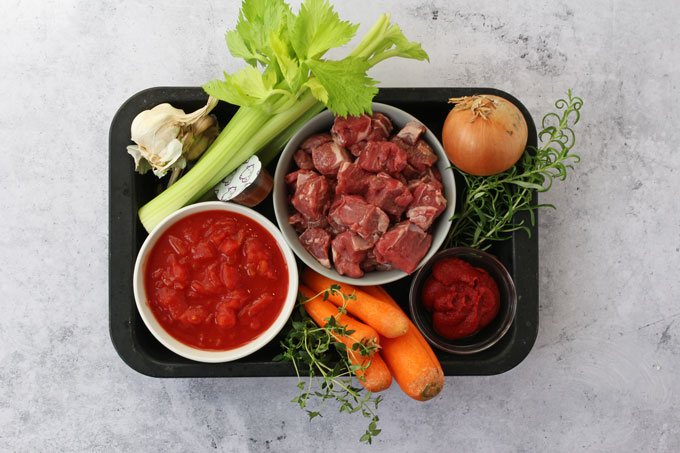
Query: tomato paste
[
  {"x": 463, "y": 298},
  {"x": 216, "y": 280}
]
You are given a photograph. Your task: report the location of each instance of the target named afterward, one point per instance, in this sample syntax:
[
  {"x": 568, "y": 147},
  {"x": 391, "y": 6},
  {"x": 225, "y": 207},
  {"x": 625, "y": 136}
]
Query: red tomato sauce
[
  {"x": 216, "y": 280},
  {"x": 463, "y": 298}
]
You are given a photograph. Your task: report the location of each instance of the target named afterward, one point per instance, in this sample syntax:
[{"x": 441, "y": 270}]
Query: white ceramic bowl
[
  {"x": 323, "y": 123},
  {"x": 201, "y": 355}
]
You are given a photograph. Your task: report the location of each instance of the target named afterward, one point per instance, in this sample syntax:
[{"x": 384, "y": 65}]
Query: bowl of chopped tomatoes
[
  {"x": 364, "y": 200},
  {"x": 215, "y": 281}
]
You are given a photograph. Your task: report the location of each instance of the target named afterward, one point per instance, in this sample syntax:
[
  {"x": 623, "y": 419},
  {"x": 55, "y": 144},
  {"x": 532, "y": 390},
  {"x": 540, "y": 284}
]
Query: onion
[{"x": 484, "y": 134}]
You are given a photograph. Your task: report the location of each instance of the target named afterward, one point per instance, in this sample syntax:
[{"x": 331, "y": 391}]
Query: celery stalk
[{"x": 296, "y": 84}]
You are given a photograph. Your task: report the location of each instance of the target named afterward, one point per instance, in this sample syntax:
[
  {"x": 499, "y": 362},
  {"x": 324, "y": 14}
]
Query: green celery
[{"x": 296, "y": 84}]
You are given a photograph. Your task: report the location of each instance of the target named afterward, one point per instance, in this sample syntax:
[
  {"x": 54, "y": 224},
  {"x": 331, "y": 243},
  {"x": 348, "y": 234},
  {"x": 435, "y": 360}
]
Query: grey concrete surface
[{"x": 603, "y": 373}]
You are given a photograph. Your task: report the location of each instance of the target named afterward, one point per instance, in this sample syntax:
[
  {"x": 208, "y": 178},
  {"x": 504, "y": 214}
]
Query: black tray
[{"x": 128, "y": 191}]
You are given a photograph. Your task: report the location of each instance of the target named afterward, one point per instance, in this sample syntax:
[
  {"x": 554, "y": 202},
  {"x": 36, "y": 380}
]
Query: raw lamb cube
[
  {"x": 316, "y": 140},
  {"x": 411, "y": 132},
  {"x": 349, "y": 251},
  {"x": 419, "y": 155},
  {"x": 428, "y": 203},
  {"x": 317, "y": 242},
  {"x": 351, "y": 179},
  {"x": 351, "y": 130},
  {"x": 303, "y": 160},
  {"x": 354, "y": 213},
  {"x": 389, "y": 194},
  {"x": 328, "y": 158},
  {"x": 382, "y": 156},
  {"x": 312, "y": 197},
  {"x": 381, "y": 127},
  {"x": 403, "y": 246}
]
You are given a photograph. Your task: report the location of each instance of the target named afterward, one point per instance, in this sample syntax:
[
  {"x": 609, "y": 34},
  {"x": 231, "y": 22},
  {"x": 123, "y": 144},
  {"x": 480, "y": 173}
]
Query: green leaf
[
  {"x": 403, "y": 47},
  {"x": 246, "y": 87},
  {"x": 350, "y": 91},
  {"x": 318, "y": 28},
  {"x": 239, "y": 49},
  {"x": 528, "y": 185},
  {"x": 257, "y": 20},
  {"x": 288, "y": 65}
]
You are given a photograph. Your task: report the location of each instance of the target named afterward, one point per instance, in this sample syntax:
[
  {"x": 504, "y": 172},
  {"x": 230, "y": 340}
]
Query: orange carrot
[
  {"x": 410, "y": 358},
  {"x": 377, "y": 376},
  {"x": 320, "y": 310},
  {"x": 388, "y": 321}
]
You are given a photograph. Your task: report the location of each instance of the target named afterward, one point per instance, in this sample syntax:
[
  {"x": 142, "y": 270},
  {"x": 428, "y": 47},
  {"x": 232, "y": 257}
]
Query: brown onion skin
[{"x": 484, "y": 147}]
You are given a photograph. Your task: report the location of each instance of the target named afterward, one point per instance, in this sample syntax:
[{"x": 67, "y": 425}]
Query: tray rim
[{"x": 126, "y": 348}]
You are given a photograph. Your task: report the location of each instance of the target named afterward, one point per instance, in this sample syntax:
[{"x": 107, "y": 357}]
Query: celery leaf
[
  {"x": 288, "y": 65},
  {"x": 256, "y": 21},
  {"x": 350, "y": 90},
  {"x": 246, "y": 87},
  {"x": 318, "y": 28}
]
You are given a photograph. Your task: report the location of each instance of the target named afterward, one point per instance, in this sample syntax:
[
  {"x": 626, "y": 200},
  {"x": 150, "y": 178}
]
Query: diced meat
[
  {"x": 357, "y": 148},
  {"x": 300, "y": 223},
  {"x": 303, "y": 160},
  {"x": 428, "y": 203},
  {"x": 349, "y": 251},
  {"x": 410, "y": 173},
  {"x": 316, "y": 140},
  {"x": 381, "y": 127},
  {"x": 382, "y": 156},
  {"x": 317, "y": 241},
  {"x": 419, "y": 155},
  {"x": 292, "y": 178},
  {"x": 371, "y": 263},
  {"x": 351, "y": 179},
  {"x": 411, "y": 132},
  {"x": 297, "y": 221},
  {"x": 328, "y": 157},
  {"x": 351, "y": 130},
  {"x": 403, "y": 246},
  {"x": 354, "y": 213},
  {"x": 431, "y": 176},
  {"x": 389, "y": 194},
  {"x": 311, "y": 197}
]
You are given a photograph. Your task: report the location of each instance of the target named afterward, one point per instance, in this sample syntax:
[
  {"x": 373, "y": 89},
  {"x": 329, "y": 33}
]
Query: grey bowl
[{"x": 322, "y": 123}]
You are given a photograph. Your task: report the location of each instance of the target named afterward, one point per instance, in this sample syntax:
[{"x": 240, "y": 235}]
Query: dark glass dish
[{"x": 485, "y": 337}]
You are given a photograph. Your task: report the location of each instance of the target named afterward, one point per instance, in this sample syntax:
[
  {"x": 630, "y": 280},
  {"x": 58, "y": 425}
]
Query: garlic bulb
[{"x": 166, "y": 137}]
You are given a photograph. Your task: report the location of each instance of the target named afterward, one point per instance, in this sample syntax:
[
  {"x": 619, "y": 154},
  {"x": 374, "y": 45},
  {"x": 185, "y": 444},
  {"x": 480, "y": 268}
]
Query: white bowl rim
[
  {"x": 375, "y": 277},
  {"x": 202, "y": 355}
]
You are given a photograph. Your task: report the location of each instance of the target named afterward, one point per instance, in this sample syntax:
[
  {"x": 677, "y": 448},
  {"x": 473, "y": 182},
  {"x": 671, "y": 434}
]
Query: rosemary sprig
[
  {"x": 491, "y": 202},
  {"x": 318, "y": 356}
]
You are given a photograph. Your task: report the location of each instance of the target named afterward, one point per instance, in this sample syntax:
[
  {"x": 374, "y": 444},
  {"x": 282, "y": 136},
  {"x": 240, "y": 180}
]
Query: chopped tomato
[{"x": 216, "y": 280}]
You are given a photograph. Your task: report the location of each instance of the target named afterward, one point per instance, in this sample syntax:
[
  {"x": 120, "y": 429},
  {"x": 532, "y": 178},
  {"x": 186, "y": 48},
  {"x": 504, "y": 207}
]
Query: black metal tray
[{"x": 128, "y": 191}]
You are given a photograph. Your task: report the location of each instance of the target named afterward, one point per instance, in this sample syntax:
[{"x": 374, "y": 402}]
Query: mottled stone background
[{"x": 603, "y": 373}]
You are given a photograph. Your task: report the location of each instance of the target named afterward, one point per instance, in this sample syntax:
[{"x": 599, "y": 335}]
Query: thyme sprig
[
  {"x": 491, "y": 202},
  {"x": 319, "y": 357}
]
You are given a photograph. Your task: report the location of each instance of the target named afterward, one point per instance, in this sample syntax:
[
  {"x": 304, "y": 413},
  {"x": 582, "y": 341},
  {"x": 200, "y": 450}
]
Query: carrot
[
  {"x": 410, "y": 358},
  {"x": 388, "y": 321},
  {"x": 377, "y": 376},
  {"x": 320, "y": 310}
]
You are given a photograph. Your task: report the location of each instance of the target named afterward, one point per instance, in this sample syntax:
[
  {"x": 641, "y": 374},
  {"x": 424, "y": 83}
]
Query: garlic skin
[{"x": 161, "y": 134}]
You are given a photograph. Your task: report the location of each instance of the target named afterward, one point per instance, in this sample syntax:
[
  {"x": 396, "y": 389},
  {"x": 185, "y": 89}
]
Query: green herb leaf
[
  {"x": 318, "y": 28},
  {"x": 349, "y": 89}
]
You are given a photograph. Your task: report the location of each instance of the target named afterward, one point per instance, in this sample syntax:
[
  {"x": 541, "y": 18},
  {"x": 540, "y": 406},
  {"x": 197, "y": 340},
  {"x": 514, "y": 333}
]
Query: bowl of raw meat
[{"x": 364, "y": 200}]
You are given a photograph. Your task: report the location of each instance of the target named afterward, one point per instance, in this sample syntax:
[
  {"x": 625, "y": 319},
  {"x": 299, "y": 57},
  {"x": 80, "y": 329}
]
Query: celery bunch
[{"x": 287, "y": 81}]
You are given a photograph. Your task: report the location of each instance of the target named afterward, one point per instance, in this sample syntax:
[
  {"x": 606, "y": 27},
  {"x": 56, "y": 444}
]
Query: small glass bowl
[{"x": 483, "y": 338}]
